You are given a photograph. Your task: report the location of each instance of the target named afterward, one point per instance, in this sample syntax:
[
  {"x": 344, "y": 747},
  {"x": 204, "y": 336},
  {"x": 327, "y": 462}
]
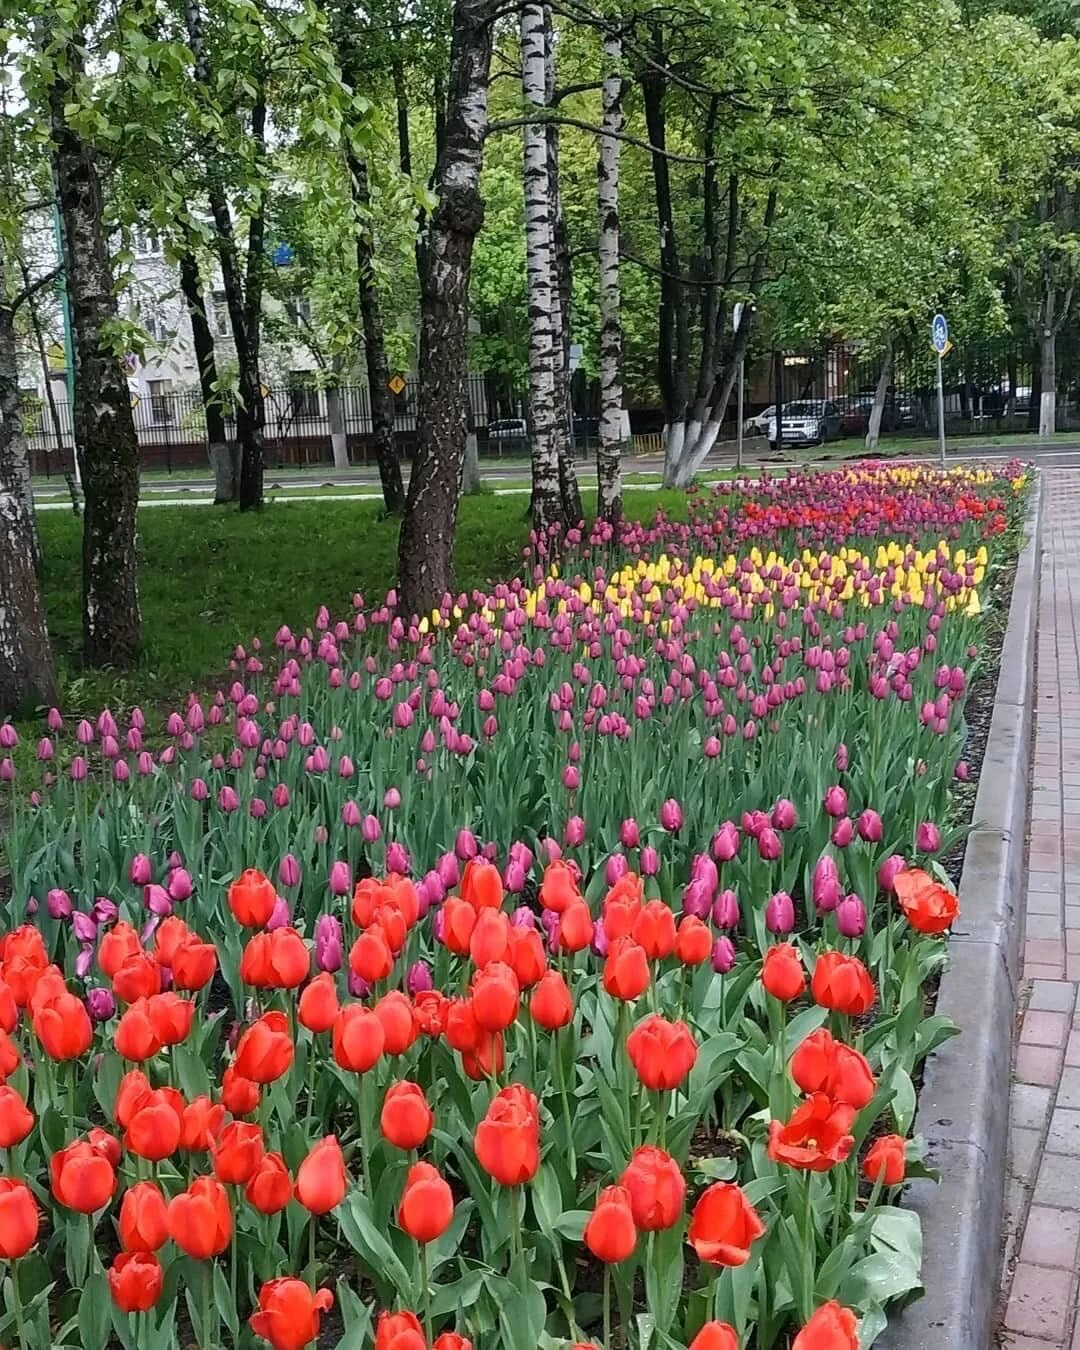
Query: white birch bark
[
  {"x": 609, "y": 454},
  {"x": 539, "y": 267}
]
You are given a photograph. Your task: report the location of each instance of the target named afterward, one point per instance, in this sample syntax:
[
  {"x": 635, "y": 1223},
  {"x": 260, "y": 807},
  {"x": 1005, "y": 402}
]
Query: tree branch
[
  {"x": 514, "y": 123},
  {"x": 32, "y": 287}
]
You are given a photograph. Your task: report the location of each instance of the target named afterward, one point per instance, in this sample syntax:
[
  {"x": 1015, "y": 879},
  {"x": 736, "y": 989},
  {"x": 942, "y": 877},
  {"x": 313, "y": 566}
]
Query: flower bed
[{"x": 577, "y": 940}]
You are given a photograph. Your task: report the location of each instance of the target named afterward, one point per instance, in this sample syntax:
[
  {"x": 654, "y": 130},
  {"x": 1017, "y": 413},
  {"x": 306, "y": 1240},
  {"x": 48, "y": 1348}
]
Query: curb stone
[{"x": 963, "y": 1112}]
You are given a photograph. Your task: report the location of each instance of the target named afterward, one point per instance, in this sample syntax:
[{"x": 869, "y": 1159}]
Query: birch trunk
[
  {"x": 222, "y": 459},
  {"x": 26, "y": 666},
  {"x": 609, "y": 454},
  {"x": 249, "y": 411},
  {"x": 425, "y": 545},
  {"x": 873, "y": 430},
  {"x": 378, "y": 367},
  {"x": 547, "y": 504},
  {"x": 105, "y": 437},
  {"x": 1048, "y": 370}
]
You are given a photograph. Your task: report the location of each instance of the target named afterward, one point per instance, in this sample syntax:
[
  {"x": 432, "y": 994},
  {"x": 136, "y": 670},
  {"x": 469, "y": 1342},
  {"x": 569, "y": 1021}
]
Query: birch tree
[{"x": 609, "y": 454}]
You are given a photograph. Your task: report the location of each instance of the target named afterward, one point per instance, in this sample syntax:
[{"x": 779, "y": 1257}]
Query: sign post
[
  {"x": 736, "y": 320},
  {"x": 939, "y": 338}
]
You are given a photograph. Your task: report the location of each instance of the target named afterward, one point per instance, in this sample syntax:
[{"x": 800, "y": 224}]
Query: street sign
[
  {"x": 939, "y": 334},
  {"x": 135, "y": 401},
  {"x": 736, "y": 315},
  {"x": 577, "y": 351},
  {"x": 396, "y": 384},
  {"x": 282, "y": 255},
  {"x": 264, "y": 390}
]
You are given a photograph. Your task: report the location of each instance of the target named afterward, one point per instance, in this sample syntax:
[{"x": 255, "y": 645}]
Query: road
[{"x": 357, "y": 483}]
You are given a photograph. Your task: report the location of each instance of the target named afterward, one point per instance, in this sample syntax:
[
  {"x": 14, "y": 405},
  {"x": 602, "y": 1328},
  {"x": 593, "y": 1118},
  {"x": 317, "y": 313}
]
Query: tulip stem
[
  {"x": 311, "y": 1077},
  {"x": 366, "y": 1117},
  {"x": 312, "y": 1272},
  {"x": 607, "y": 1306},
  {"x": 425, "y": 1287},
  {"x": 564, "y": 1093},
  {"x": 20, "y": 1324},
  {"x": 207, "y": 1298},
  {"x": 70, "y": 1100}
]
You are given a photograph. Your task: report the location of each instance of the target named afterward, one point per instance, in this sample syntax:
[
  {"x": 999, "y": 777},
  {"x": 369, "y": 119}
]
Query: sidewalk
[{"x": 1039, "y": 1294}]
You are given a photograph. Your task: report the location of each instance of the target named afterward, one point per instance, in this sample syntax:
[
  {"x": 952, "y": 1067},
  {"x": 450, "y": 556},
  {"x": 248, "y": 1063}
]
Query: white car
[
  {"x": 808, "y": 422},
  {"x": 758, "y": 425}
]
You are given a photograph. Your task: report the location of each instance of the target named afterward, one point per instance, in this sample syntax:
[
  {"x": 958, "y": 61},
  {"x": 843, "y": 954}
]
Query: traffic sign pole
[
  {"x": 738, "y": 434},
  {"x": 940, "y": 412}
]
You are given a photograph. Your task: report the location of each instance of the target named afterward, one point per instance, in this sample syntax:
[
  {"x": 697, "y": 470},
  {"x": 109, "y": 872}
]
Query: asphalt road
[{"x": 53, "y": 493}]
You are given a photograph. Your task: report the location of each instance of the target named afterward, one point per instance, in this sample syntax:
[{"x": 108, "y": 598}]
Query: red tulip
[
  {"x": 427, "y": 1204},
  {"x": 610, "y": 1233},
  {"x": 724, "y": 1225},
  {"x": 551, "y": 1004},
  {"x": 265, "y": 1050},
  {"x": 153, "y": 1130},
  {"x": 406, "y": 1119},
  {"x": 289, "y": 1313},
  {"x": 16, "y": 1119},
  {"x": 319, "y": 1005},
  {"x": 171, "y": 1017},
  {"x": 270, "y": 1187},
  {"x": 143, "y": 1218},
  {"x": 321, "y": 1181},
  {"x": 200, "y": 1221},
  {"x": 135, "y": 1281},
  {"x": 238, "y": 1152},
  {"x": 201, "y": 1124},
  {"x": 81, "y": 1178},
  {"x": 358, "y": 1038},
  {"x": 662, "y": 1052},
  {"x": 252, "y": 897},
  {"x": 400, "y": 1028},
  {"x": 399, "y": 1331},
  {"x": 19, "y": 1219},
  {"x": 495, "y": 997},
  {"x": 656, "y": 1188},
  {"x": 508, "y": 1138}
]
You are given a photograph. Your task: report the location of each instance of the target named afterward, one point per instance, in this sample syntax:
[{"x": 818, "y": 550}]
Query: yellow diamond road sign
[
  {"x": 397, "y": 384},
  {"x": 135, "y": 401},
  {"x": 264, "y": 390}
]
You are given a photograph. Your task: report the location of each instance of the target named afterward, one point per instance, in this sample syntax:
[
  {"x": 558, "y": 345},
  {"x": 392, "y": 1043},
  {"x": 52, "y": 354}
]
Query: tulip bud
[
  {"x": 574, "y": 833},
  {"x": 671, "y": 816},
  {"x": 350, "y": 815},
  {"x": 851, "y": 917},
  {"x": 418, "y": 979},
  {"x": 725, "y": 842},
  {"x": 649, "y": 861},
  {"x": 629, "y": 834},
  {"x": 370, "y": 829},
  {"x": 100, "y": 1004},
  {"x": 825, "y": 886},
  {"x": 465, "y": 846},
  {"x": 696, "y": 900},
  {"x": 514, "y": 880},
  {"x": 279, "y": 915},
  {"x": 339, "y": 881},
  {"x": 157, "y": 901},
  {"x": 843, "y": 832},
  {"x": 869, "y": 826},
  {"x": 289, "y": 871},
  {"x": 784, "y": 815},
  {"x": 725, "y": 910},
  {"x": 780, "y": 913},
  {"x": 836, "y": 801},
  {"x": 328, "y": 943},
  {"x": 889, "y": 870},
  {"x": 616, "y": 867},
  {"x": 84, "y": 927},
  {"x": 448, "y": 871},
  {"x": 927, "y": 837},
  {"x": 397, "y": 858},
  {"x": 962, "y": 772},
  {"x": 769, "y": 846},
  {"x": 391, "y": 799},
  {"x": 178, "y": 884},
  {"x": 140, "y": 870},
  {"x": 58, "y": 903},
  {"x": 841, "y": 759},
  {"x": 723, "y": 955},
  {"x": 571, "y": 777}
]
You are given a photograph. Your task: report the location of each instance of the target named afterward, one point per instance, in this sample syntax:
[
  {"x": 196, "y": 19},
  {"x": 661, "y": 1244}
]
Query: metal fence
[
  {"x": 299, "y": 422},
  {"x": 991, "y": 387}
]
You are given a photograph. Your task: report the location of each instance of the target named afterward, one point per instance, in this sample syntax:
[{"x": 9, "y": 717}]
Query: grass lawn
[{"x": 210, "y": 579}]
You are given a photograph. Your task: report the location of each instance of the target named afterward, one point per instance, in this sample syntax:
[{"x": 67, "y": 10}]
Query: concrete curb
[{"x": 963, "y": 1108}]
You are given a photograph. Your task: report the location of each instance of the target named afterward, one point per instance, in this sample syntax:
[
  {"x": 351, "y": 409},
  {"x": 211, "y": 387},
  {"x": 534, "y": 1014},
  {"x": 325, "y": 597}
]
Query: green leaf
[
  {"x": 522, "y": 1318},
  {"x": 94, "y": 1317},
  {"x": 572, "y": 1224},
  {"x": 664, "y": 1275},
  {"x": 364, "y": 1237}
]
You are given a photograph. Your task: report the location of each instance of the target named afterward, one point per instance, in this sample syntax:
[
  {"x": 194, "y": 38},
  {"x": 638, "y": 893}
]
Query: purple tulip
[
  {"x": 58, "y": 903},
  {"x": 962, "y": 772},
  {"x": 825, "y": 887},
  {"x": 523, "y": 917},
  {"x": 574, "y": 833},
  {"x": 514, "y": 880},
  {"x": 104, "y": 910},
  {"x": 228, "y": 800},
  {"x": 696, "y": 900},
  {"x": 784, "y": 815},
  {"x": 328, "y": 943},
  {"x": 140, "y": 870},
  {"x": 350, "y": 814},
  {"x": 179, "y": 885},
  {"x": 780, "y": 913},
  {"x": 157, "y": 901},
  {"x": 289, "y": 871},
  {"x": 358, "y": 986},
  {"x": 9, "y": 737},
  {"x": 725, "y": 910},
  {"x": 629, "y": 834},
  {"x": 465, "y": 846},
  {"x": 769, "y": 845},
  {"x": 615, "y": 867},
  {"x": 649, "y": 861},
  {"x": 100, "y": 1004},
  {"x": 671, "y": 816},
  {"x": 340, "y": 879},
  {"x": 889, "y": 870},
  {"x": 84, "y": 961},
  {"x": 83, "y": 926},
  {"x": 927, "y": 837},
  {"x": 550, "y": 849},
  {"x": 723, "y": 955},
  {"x": 397, "y": 859},
  {"x": 843, "y": 832},
  {"x": 836, "y": 801},
  {"x": 448, "y": 870},
  {"x": 79, "y": 769},
  {"x": 279, "y": 915},
  {"x": 418, "y": 979},
  {"x": 600, "y": 944},
  {"x": 851, "y": 917},
  {"x": 869, "y": 826},
  {"x": 370, "y": 829},
  {"x": 725, "y": 842}
]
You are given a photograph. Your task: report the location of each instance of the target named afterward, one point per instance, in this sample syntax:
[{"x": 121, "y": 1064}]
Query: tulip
[
  {"x": 406, "y": 1119},
  {"x": 723, "y": 955},
  {"x": 252, "y": 898},
  {"x": 238, "y": 1153},
  {"x": 321, "y": 1181},
  {"x": 318, "y": 1007},
  {"x": 816, "y": 1138},
  {"x": 784, "y": 815},
  {"x": 769, "y": 845},
  {"x": 19, "y": 1219},
  {"x": 328, "y": 943},
  {"x": 358, "y": 1039},
  {"x": 780, "y": 913},
  {"x": 851, "y": 917},
  {"x": 693, "y": 943},
  {"x": 289, "y": 1313},
  {"x": 629, "y": 833},
  {"x": 140, "y": 870},
  {"x": 885, "y": 1160},
  {"x": 551, "y": 1004},
  {"x": 656, "y": 1188},
  {"x": 715, "y": 1336},
  {"x": 398, "y": 1020},
  {"x": 81, "y": 1178},
  {"x": 782, "y": 973},
  {"x": 136, "y": 1280},
  {"x": 649, "y": 861},
  {"x": 426, "y": 1208},
  {"x": 724, "y": 1225},
  {"x": 927, "y": 837},
  {"x": 610, "y": 1233},
  {"x": 270, "y": 1188},
  {"x": 16, "y": 1120},
  {"x": 399, "y": 1331},
  {"x": 671, "y": 816},
  {"x": 662, "y": 1052},
  {"x": 832, "y": 1327},
  {"x": 842, "y": 983},
  {"x": 200, "y": 1220},
  {"x": 201, "y": 1124},
  {"x": 418, "y": 978},
  {"x": 842, "y": 832},
  {"x": 143, "y": 1218},
  {"x": 869, "y": 826},
  {"x": 153, "y": 1127},
  {"x": 507, "y": 1140},
  {"x": 574, "y": 832},
  {"x": 626, "y": 969},
  {"x": 825, "y": 886},
  {"x": 265, "y": 1050},
  {"x": 889, "y": 870},
  {"x": 836, "y": 802}
]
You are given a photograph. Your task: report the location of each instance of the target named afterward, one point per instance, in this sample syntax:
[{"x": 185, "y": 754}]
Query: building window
[
  {"x": 303, "y": 396},
  {"x": 146, "y": 241},
  {"x": 161, "y": 401},
  {"x": 220, "y": 313},
  {"x": 150, "y": 318},
  {"x": 298, "y": 309}
]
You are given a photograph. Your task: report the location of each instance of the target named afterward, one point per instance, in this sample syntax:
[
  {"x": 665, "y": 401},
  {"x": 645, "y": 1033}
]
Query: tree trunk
[
  {"x": 249, "y": 413},
  {"x": 11, "y": 421},
  {"x": 609, "y": 454},
  {"x": 873, "y": 429},
  {"x": 425, "y": 546},
  {"x": 378, "y": 368},
  {"x": 54, "y": 411},
  {"x": 221, "y": 456},
  {"x": 252, "y": 463},
  {"x": 562, "y": 296},
  {"x": 339, "y": 440},
  {"x": 104, "y": 428},
  {"x": 547, "y": 501},
  {"x": 1048, "y": 381},
  {"x": 26, "y": 667}
]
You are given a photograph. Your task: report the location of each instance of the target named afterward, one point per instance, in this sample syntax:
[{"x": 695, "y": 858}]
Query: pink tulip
[
  {"x": 889, "y": 870},
  {"x": 723, "y": 955},
  {"x": 725, "y": 844},
  {"x": 671, "y": 816},
  {"x": 350, "y": 815},
  {"x": 465, "y": 845},
  {"x": 178, "y": 883},
  {"x": 869, "y": 826},
  {"x": 140, "y": 870},
  {"x": 340, "y": 879},
  {"x": 629, "y": 833},
  {"x": 784, "y": 815},
  {"x": 927, "y": 837},
  {"x": 851, "y": 917},
  {"x": 289, "y": 871},
  {"x": 329, "y": 942},
  {"x": 370, "y": 829},
  {"x": 769, "y": 845},
  {"x": 397, "y": 859},
  {"x": 780, "y": 913},
  {"x": 649, "y": 861},
  {"x": 725, "y": 910},
  {"x": 391, "y": 799},
  {"x": 843, "y": 832},
  {"x": 836, "y": 801}
]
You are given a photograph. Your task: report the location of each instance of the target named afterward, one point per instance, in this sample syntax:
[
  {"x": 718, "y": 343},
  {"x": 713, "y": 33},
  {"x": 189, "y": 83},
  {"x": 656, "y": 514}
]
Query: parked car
[
  {"x": 808, "y": 422},
  {"x": 508, "y": 429},
  {"x": 856, "y": 414},
  {"x": 758, "y": 425},
  {"x": 585, "y": 429}
]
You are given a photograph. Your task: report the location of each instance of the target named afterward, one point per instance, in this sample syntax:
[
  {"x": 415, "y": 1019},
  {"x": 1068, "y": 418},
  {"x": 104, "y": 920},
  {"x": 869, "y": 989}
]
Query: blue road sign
[
  {"x": 939, "y": 333},
  {"x": 282, "y": 255}
]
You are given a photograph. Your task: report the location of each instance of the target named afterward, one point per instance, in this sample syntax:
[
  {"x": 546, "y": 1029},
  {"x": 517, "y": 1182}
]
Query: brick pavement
[{"x": 1040, "y": 1285}]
